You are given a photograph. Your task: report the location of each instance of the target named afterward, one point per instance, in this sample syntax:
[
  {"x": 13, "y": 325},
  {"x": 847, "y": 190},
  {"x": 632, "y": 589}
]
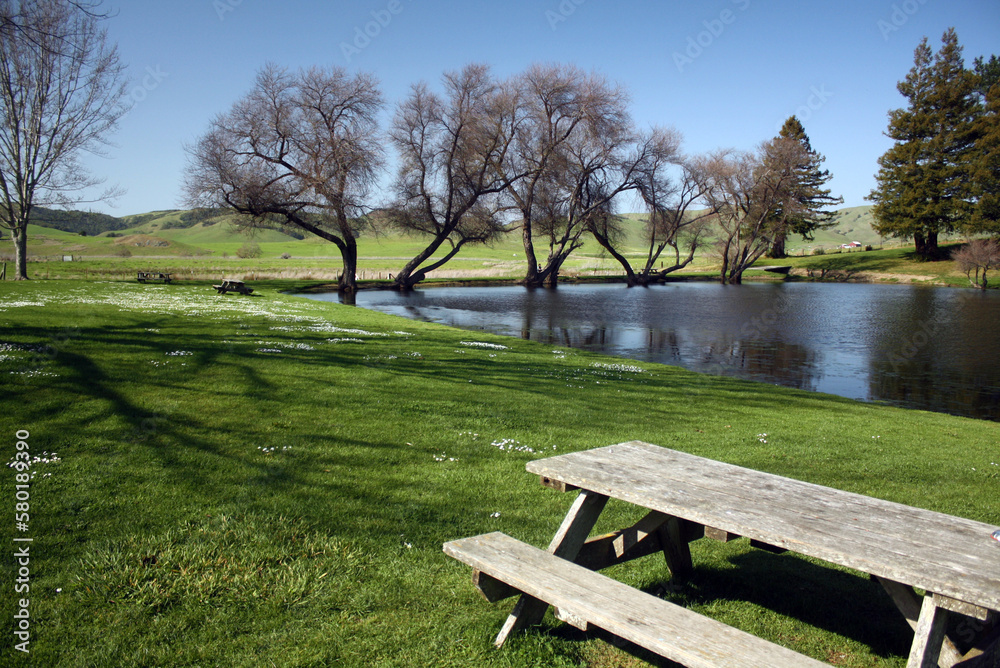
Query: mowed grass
[{"x": 267, "y": 480}]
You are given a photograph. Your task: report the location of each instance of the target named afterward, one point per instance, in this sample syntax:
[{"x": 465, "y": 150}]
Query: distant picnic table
[
  {"x": 232, "y": 285},
  {"x": 956, "y": 561},
  {"x": 144, "y": 276}
]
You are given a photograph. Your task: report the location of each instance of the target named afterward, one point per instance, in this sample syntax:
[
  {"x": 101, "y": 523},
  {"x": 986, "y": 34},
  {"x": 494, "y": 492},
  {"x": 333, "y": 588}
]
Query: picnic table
[
  {"x": 144, "y": 276},
  {"x": 956, "y": 561},
  {"x": 232, "y": 285}
]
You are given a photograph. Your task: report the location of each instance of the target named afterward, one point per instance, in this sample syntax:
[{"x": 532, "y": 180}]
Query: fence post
[{"x": 3, "y": 272}]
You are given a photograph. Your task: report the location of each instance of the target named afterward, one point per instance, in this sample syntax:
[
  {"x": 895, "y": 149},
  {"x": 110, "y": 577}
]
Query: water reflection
[{"x": 931, "y": 348}]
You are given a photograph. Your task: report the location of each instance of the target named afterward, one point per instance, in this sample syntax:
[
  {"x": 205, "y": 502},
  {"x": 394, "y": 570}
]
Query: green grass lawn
[{"x": 267, "y": 480}]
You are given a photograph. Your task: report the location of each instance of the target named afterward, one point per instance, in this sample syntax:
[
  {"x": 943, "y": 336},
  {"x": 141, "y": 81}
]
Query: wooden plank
[
  {"x": 767, "y": 547},
  {"x": 961, "y": 607},
  {"x": 720, "y": 535},
  {"x": 566, "y": 544},
  {"x": 928, "y": 636},
  {"x": 493, "y": 590},
  {"x": 949, "y": 555},
  {"x": 618, "y": 547},
  {"x": 557, "y": 485},
  {"x": 588, "y": 598}
]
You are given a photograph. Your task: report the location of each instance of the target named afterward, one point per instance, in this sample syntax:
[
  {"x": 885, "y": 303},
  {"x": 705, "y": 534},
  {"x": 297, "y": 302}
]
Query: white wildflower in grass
[
  {"x": 762, "y": 438},
  {"x": 34, "y": 373},
  {"x": 443, "y": 457},
  {"x": 511, "y": 445},
  {"x": 495, "y": 515},
  {"x": 21, "y": 304},
  {"x": 630, "y": 368},
  {"x": 45, "y": 458},
  {"x": 345, "y": 340},
  {"x": 483, "y": 344},
  {"x": 269, "y": 350},
  {"x": 180, "y": 353}
]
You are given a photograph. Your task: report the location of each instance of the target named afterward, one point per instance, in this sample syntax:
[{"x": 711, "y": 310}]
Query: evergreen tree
[
  {"x": 988, "y": 72},
  {"x": 986, "y": 168},
  {"x": 805, "y": 215},
  {"x": 923, "y": 186}
]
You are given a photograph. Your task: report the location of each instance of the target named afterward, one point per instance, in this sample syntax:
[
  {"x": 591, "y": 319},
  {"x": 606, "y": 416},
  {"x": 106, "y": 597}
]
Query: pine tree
[
  {"x": 986, "y": 168},
  {"x": 923, "y": 186},
  {"x": 988, "y": 72},
  {"x": 805, "y": 214}
]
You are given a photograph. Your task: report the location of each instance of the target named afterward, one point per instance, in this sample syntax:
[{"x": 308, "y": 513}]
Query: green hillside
[{"x": 205, "y": 245}]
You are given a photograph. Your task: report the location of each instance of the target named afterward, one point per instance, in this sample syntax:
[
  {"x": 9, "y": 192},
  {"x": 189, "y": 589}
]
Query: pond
[{"x": 931, "y": 348}]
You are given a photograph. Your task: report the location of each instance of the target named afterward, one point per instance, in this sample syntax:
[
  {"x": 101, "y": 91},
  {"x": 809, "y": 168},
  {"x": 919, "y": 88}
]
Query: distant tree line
[
  {"x": 550, "y": 152},
  {"x": 79, "y": 222}
]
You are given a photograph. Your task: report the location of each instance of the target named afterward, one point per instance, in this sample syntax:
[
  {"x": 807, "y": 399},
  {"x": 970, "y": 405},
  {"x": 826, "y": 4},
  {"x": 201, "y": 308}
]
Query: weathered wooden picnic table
[
  {"x": 232, "y": 285},
  {"x": 956, "y": 561},
  {"x": 144, "y": 276}
]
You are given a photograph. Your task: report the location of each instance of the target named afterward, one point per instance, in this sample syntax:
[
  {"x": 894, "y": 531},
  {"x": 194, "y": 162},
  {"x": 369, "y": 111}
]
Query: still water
[{"x": 931, "y": 348}]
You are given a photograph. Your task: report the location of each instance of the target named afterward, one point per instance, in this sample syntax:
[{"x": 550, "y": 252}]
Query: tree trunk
[
  {"x": 20, "y": 237},
  {"x": 531, "y": 277},
  {"x": 932, "y": 245},
  {"x": 552, "y": 273},
  {"x": 349, "y": 277},
  {"x": 920, "y": 243},
  {"x": 777, "y": 249}
]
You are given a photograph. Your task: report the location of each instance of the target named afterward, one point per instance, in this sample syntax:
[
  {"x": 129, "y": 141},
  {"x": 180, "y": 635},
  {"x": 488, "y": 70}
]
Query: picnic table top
[{"x": 950, "y": 556}]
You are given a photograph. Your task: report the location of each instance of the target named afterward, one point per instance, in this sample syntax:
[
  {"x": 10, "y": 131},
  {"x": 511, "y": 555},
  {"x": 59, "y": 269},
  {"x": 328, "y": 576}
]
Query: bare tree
[
  {"x": 671, "y": 221},
  {"x": 745, "y": 190},
  {"x": 556, "y": 104},
  {"x": 572, "y": 143},
  {"x": 61, "y": 88},
  {"x": 976, "y": 258},
  {"x": 452, "y": 151},
  {"x": 300, "y": 150},
  {"x": 15, "y": 24}
]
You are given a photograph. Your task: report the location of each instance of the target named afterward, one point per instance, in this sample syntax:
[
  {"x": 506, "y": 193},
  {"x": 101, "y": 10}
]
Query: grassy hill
[{"x": 204, "y": 244}]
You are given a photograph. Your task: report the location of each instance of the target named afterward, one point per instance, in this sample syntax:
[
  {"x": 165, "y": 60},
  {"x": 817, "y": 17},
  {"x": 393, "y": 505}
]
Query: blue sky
[{"x": 725, "y": 73}]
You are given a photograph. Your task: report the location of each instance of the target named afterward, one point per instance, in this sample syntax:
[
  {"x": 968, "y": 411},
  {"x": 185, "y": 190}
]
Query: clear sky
[{"x": 725, "y": 73}]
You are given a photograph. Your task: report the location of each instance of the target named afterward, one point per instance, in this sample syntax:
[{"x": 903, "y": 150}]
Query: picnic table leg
[
  {"x": 909, "y": 604},
  {"x": 928, "y": 636},
  {"x": 676, "y": 549},
  {"x": 566, "y": 544}
]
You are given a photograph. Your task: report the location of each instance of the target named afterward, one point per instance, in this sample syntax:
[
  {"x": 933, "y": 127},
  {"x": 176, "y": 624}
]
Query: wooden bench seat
[
  {"x": 230, "y": 285},
  {"x": 583, "y": 597}
]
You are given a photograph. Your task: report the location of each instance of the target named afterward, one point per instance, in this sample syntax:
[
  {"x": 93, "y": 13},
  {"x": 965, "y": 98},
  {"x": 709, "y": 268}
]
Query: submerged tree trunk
[
  {"x": 531, "y": 277},
  {"x": 348, "y": 282}
]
